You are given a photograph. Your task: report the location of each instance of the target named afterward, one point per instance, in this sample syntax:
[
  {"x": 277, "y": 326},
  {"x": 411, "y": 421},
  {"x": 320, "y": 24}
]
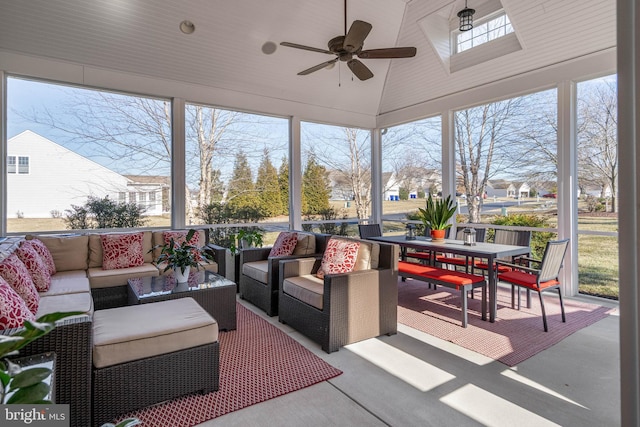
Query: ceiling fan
[{"x": 346, "y": 47}]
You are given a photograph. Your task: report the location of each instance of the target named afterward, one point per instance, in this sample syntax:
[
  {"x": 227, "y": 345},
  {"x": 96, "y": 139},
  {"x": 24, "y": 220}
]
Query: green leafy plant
[
  {"x": 129, "y": 422},
  {"x": 27, "y": 385},
  {"x": 250, "y": 237},
  {"x": 180, "y": 255},
  {"x": 437, "y": 213}
]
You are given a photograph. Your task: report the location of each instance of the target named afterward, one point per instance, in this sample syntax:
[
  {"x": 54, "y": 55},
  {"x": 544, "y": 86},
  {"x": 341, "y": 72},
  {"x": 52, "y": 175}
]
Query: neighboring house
[
  {"x": 339, "y": 185},
  {"x": 504, "y": 188},
  {"x": 414, "y": 179},
  {"x": 596, "y": 190},
  {"x": 44, "y": 179},
  {"x": 153, "y": 192}
]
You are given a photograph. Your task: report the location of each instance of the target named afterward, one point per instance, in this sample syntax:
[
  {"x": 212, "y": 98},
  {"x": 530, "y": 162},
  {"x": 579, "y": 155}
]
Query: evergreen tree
[
  {"x": 283, "y": 180},
  {"x": 268, "y": 188},
  {"x": 241, "y": 194},
  {"x": 315, "y": 188}
]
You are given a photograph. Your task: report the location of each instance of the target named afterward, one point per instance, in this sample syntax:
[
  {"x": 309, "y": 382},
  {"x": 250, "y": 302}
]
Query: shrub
[
  {"x": 104, "y": 213},
  {"x": 539, "y": 239}
]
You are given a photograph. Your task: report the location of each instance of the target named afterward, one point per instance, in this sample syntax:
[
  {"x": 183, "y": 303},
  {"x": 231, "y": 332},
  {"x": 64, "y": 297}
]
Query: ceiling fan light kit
[
  {"x": 348, "y": 48},
  {"x": 466, "y": 18}
]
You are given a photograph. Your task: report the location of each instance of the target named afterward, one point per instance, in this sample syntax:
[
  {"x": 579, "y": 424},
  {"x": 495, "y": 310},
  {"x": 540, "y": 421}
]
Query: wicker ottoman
[{"x": 146, "y": 354}]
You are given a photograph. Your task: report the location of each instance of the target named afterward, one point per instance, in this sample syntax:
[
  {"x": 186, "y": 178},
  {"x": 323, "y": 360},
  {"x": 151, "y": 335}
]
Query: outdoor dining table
[{"x": 483, "y": 250}]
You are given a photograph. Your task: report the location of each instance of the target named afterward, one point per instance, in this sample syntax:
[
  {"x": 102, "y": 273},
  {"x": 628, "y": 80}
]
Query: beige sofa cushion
[
  {"x": 257, "y": 270},
  {"x": 160, "y": 328},
  {"x": 308, "y": 289},
  {"x": 99, "y": 278},
  {"x": 96, "y": 253},
  {"x": 68, "y": 252},
  {"x": 68, "y": 282},
  {"x": 81, "y": 301},
  {"x": 306, "y": 244}
]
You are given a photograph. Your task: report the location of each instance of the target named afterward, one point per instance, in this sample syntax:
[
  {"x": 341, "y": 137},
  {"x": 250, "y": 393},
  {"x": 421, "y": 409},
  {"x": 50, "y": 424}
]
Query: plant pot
[
  {"x": 437, "y": 235},
  {"x": 180, "y": 276}
]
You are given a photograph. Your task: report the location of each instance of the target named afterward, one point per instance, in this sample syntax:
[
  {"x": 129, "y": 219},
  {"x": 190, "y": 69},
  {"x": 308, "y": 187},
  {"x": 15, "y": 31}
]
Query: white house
[{"x": 44, "y": 179}]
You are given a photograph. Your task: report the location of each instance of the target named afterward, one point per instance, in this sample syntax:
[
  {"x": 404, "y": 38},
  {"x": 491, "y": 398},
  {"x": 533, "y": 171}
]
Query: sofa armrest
[{"x": 222, "y": 256}]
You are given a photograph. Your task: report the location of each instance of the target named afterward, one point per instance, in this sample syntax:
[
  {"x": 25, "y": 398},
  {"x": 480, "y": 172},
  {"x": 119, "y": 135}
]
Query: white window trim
[{"x": 455, "y": 33}]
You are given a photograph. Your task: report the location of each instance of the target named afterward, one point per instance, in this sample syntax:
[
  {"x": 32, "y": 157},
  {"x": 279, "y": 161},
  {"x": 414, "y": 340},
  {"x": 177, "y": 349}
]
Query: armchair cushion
[
  {"x": 306, "y": 244},
  {"x": 308, "y": 289},
  {"x": 339, "y": 257},
  {"x": 285, "y": 244},
  {"x": 368, "y": 255},
  {"x": 257, "y": 270}
]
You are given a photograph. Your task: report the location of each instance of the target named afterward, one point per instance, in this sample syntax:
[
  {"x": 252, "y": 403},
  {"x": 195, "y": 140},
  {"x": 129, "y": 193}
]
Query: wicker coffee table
[{"x": 214, "y": 293}]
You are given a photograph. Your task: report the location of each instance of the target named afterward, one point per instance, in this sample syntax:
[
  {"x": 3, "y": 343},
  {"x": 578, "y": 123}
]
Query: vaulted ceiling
[{"x": 225, "y": 51}]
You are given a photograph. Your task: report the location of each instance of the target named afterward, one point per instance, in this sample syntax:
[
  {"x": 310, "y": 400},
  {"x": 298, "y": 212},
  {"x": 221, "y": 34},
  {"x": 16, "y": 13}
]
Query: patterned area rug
[
  {"x": 257, "y": 362},
  {"x": 515, "y": 336}
]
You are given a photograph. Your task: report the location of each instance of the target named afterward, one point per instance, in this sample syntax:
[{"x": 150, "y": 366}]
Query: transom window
[{"x": 483, "y": 32}]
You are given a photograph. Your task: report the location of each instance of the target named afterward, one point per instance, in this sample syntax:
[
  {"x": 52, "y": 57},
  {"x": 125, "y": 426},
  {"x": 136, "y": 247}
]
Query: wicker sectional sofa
[{"x": 80, "y": 284}]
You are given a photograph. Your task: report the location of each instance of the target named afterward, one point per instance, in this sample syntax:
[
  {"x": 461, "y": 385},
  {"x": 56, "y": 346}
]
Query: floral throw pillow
[
  {"x": 37, "y": 268},
  {"x": 121, "y": 250},
  {"x": 44, "y": 253},
  {"x": 13, "y": 309},
  {"x": 15, "y": 273},
  {"x": 179, "y": 238},
  {"x": 339, "y": 257},
  {"x": 284, "y": 245}
]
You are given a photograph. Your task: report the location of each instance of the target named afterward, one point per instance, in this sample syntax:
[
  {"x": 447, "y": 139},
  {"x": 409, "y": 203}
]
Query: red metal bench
[{"x": 463, "y": 282}]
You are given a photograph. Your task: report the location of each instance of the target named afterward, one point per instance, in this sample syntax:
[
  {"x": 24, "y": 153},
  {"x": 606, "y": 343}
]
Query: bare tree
[{"x": 598, "y": 138}]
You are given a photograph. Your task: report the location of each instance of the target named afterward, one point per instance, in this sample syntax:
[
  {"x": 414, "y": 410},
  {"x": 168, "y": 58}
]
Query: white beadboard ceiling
[{"x": 142, "y": 37}]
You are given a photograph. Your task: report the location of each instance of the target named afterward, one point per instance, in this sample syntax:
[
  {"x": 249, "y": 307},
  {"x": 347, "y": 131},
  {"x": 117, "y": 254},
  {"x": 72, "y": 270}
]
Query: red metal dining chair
[{"x": 544, "y": 278}]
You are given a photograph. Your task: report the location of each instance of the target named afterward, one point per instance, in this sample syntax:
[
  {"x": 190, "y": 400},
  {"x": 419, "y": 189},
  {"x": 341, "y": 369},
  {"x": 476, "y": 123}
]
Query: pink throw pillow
[
  {"x": 285, "y": 244},
  {"x": 14, "y": 310},
  {"x": 179, "y": 238},
  {"x": 16, "y": 275},
  {"x": 44, "y": 253},
  {"x": 339, "y": 257},
  {"x": 36, "y": 266},
  {"x": 121, "y": 250}
]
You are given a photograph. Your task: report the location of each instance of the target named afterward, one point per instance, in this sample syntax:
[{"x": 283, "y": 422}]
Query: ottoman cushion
[{"x": 136, "y": 332}]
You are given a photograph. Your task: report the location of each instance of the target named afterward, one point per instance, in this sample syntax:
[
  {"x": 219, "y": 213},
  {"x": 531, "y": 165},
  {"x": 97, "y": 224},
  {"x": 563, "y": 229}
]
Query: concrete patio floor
[{"x": 414, "y": 379}]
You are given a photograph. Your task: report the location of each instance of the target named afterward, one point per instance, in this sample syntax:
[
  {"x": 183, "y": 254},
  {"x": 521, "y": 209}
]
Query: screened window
[{"x": 483, "y": 32}]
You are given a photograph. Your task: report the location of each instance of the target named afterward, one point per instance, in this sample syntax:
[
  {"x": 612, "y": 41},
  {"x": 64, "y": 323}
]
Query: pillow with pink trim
[
  {"x": 179, "y": 238},
  {"x": 339, "y": 257},
  {"x": 14, "y": 310},
  {"x": 15, "y": 273},
  {"x": 121, "y": 250},
  {"x": 44, "y": 253},
  {"x": 37, "y": 268},
  {"x": 284, "y": 245}
]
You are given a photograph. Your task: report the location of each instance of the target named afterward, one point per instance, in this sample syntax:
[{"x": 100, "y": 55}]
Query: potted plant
[
  {"x": 180, "y": 257},
  {"x": 436, "y": 216}
]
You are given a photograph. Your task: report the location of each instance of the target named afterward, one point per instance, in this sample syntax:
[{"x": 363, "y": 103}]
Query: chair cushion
[
  {"x": 14, "y": 310},
  {"x": 37, "y": 268},
  {"x": 308, "y": 289},
  {"x": 99, "y": 278},
  {"x": 284, "y": 245},
  {"x": 306, "y": 244},
  {"x": 16, "y": 275},
  {"x": 121, "y": 250},
  {"x": 68, "y": 252},
  {"x": 257, "y": 270},
  {"x": 44, "y": 253},
  {"x": 340, "y": 256},
  {"x": 68, "y": 282},
  {"x": 161, "y": 328},
  {"x": 81, "y": 301},
  {"x": 368, "y": 256},
  {"x": 527, "y": 280}
]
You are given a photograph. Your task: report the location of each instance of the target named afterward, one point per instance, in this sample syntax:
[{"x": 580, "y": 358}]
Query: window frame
[{"x": 456, "y": 33}]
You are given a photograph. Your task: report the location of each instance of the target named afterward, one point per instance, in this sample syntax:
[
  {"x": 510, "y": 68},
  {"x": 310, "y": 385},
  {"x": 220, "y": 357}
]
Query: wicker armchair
[
  {"x": 259, "y": 273},
  {"x": 354, "y": 306},
  {"x": 71, "y": 341}
]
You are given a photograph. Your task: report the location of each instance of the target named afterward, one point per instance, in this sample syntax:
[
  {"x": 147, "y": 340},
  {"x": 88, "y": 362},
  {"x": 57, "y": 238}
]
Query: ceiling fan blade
[
  {"x": 392, "y": 52},
  {"x": 312, "y": 49},
  {"x": 355, "y": 37},
  {"x": 359, "y": 69},
  {"x": 317, "y": 67}
]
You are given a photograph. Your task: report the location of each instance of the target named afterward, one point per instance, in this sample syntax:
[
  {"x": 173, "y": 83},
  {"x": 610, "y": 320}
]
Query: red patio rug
[
  {"x": 515, "y": 336},
  {"x": 257, "y": 362}
]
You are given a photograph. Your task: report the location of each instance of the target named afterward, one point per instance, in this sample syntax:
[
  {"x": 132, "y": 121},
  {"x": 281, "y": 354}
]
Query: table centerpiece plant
[
  {"x": 436, "y": 216},
  {"x": 180, "y": 257}
]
